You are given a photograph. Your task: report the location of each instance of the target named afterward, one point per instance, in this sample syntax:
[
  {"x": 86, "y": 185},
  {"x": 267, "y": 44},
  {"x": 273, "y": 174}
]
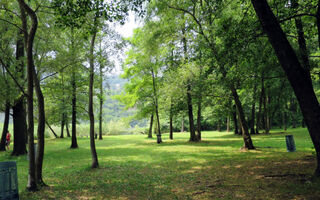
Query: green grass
[{"x": 133, "y": 167}]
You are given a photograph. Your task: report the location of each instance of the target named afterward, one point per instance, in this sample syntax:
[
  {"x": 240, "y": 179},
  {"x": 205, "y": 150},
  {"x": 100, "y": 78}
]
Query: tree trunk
[
  {"x": 74, "y": 143},
  {"x": 235, "y": 121},
  {"x": 29, "y": 38},
  {"x": 150, "y": 127},
  {"x": 182, "y": 123},
  {"x": 159, "y": 139},
  {"x": 318, "y": 22},
  {"x": 62, "y": 125},
  {"x": 95, "y": 163},
  {"x": 245, "y": 132},
  {"x": 265, "y": 114},
  {"x": 219, "y": 126},
  {"x": 193, "y": 136},
  {"x": 284, "y": 121},
  {"x": 67, "y": 128},
  {"x": 298, "y": 77},
  {"x": 19, "y": 128},
  {"x": 258, "y": 123},
  {"x": 228, "y": 123},
  {"x": 101, "y": 104},
  {"x": 54, "y": 133},
  {"x": 199, "y": 117},
  {"x": 41, "y": 130},
  {"x": 171, "y": 128},
  {"x": 253, "y": 110},
  {"x": 5, "y": 128},
  {"x": 19, "y": 110}
]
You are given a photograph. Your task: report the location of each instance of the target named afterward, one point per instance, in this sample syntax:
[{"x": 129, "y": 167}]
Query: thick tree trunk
[
  {"x": 19, "y": 110},
  {"x": 19, "y": 128},
  {"x": 193, "y": 136},
  {"x": 5, "y": 128},
  {"x": 29, "y": 38},
  {"x": 150, "y": 127},
  {"x": 298, "y": 77},
  {"x": 245, "y": 132},
  {"x": 74, "y": 143},
  {"x": 95, "y": 163}
]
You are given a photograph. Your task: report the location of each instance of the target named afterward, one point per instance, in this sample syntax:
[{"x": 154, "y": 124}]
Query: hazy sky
[{"x": 127, "y": 29}]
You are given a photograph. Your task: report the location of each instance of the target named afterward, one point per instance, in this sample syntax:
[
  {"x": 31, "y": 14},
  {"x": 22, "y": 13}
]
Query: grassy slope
[{"x": 133, "y": 167}]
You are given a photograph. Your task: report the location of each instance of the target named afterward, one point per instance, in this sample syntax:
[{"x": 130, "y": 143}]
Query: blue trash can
[
  {"x": 8, "y": 181},
  {"x": 291, "y": 147}
]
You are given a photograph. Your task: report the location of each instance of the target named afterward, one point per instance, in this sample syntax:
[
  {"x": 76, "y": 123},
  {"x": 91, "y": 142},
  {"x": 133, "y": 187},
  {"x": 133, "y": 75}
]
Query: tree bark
[
  {"x": 74, "y": 143},
  {"x": 19, "y": 111},
  {"x": 228, "y": 123},
  {"x": 318, "y": 22},
  {"x": 95, "y": 163},
  {"x": 62, "y": 124},
  {"x": 171, "y": 117},
  {"x": 29, "y": 38},
  {"x": 235, "y": 121},
  {"x": 265, "y": 113},
  {"x": 219, "y": 126},
  {"x": 19, "y": 128},
  {"x": 258, "y": 123},
  {"x": 245, "y": 132},
  {"x": 199, "y": 117},
  {"x": 41, "y": 130},
  {"x": 150, "y": 127},
  {"x": 298, "y": 77},
  {"x": 54, "y": 133},
  {"x": 182, "y": 123},
  {"x": 101, "y": 103},
  {"x": 159, "y": 139},
  {"x": 5, "y": 127},
  {"x": 253, "y": 110},
  {"x": 67, "y": 128},
  {"x": 193, "y": 136}
]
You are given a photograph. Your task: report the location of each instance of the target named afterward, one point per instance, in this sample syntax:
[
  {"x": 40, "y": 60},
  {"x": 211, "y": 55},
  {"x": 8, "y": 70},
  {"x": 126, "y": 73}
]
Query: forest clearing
[
  {"x": 133, "y": 167},
  {"x": 160, "y": 99}
]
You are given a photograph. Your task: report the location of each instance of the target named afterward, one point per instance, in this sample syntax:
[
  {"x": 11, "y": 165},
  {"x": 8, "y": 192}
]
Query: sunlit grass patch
[{"x": 134, "y": 167}]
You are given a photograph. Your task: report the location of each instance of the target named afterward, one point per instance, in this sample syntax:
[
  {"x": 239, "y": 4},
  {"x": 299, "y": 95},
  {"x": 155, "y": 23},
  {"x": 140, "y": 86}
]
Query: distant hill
[{"x": 113, "y": 109}]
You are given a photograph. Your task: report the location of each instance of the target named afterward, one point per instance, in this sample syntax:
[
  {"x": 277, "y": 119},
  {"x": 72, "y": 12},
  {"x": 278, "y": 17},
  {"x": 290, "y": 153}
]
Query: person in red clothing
[{"x": 8, "y": 140}]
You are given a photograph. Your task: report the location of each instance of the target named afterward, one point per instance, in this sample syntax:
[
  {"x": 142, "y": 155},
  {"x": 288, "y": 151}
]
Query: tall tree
[{"x": 298, "y": 77}]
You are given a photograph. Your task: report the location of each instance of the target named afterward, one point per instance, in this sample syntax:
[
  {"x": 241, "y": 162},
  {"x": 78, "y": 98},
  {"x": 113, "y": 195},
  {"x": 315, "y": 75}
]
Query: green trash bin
[
  {"x": 291, "y": 147},
  {"x": 8, "y": 181}
]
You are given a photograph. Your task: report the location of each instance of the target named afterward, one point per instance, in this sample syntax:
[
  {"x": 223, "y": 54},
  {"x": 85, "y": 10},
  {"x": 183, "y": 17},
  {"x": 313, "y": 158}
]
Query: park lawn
[{"x": 134, "y": 167}]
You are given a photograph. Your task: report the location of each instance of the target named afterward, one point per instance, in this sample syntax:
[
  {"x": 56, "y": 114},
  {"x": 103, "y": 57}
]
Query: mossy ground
[{"x": 134, "y": 167}]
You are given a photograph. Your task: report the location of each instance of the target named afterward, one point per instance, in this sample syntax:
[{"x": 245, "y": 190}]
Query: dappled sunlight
[{"x": 133, "y": 167}]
